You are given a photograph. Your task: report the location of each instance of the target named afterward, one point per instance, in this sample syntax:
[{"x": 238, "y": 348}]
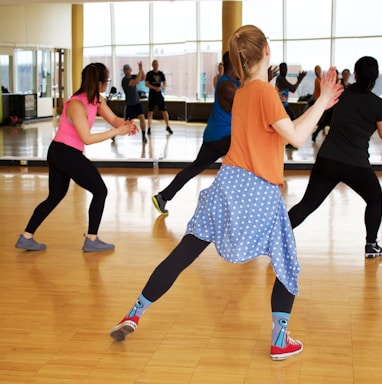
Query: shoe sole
[
  {"x": 372, "y": 255},
  {"x": 156, "y": 205},
  {"x": 97, "y": 250},
  {"x": 284, "y": 356},
  {"x": 26, "y": 248},
  {"x": 30, "y": 249},
  {"x": 121, "y": 331}
]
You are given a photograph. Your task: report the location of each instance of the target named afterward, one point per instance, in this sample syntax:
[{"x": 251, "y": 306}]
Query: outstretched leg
[
  {"x": 160, "y": 281},
  {"x": 320, "y": 184}
]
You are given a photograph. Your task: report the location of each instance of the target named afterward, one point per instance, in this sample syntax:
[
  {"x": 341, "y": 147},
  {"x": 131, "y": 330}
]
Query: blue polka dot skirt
[{"x": 245, "y": 217}]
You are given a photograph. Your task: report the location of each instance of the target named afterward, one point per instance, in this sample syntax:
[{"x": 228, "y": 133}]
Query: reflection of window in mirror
[
  {"x": 6, "y": 73},
  {"x": 184, "y": 36},
  {"x": 25, "y": 71}
]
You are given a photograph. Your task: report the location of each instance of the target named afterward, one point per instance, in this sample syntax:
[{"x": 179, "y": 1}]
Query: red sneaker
[
  {"x": 293, "y": 347},
  {"x": 124, "y": 327}
]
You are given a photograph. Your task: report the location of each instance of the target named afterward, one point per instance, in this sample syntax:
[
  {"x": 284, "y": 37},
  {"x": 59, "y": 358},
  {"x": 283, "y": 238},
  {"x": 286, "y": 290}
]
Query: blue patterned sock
[
  {"x": 140, "y": 307},
  {"x": 279, "y": 329}
]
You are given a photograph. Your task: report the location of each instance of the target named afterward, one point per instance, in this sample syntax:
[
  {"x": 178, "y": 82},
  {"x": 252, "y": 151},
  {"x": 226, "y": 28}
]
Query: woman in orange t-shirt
[{"x": 243, "y": 212}]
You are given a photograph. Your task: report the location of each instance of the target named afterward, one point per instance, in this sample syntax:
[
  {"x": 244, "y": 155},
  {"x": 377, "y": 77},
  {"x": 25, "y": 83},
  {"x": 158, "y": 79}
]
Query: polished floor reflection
[{"x": 28, "y": 144}]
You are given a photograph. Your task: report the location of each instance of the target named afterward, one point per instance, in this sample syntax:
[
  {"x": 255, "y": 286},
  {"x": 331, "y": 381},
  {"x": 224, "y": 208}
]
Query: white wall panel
[{"x": 39, "y": 25}]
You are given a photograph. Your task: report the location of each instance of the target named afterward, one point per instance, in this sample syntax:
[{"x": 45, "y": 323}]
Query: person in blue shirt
[
  {"x": 133, "y": 105},
  {"x": 216, "y": 137}
]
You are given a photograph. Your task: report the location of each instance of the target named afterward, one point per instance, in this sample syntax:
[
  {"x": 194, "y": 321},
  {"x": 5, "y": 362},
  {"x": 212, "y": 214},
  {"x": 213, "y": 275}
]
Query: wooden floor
[{"x": 214, "y": 325}]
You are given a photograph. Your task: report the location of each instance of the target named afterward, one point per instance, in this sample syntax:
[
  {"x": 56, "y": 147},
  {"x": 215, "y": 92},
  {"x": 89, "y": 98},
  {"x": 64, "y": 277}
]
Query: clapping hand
[
  {"x": 127, "y": 128},
  {"x": 331, "y": 87}
]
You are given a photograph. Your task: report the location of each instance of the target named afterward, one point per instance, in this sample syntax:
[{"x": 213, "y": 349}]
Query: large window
[
  {"x": 305, "y": 33},
  {"x": 185, "y": 37}
]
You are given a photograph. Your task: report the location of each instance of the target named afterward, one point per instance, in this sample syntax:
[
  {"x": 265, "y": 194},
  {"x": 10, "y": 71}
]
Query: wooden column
[
  {"x": 231, "y": 20},
  {"x": 77, "y": 44}
]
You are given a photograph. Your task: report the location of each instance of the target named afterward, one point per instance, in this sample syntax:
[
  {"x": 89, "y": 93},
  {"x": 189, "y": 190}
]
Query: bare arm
[
  {"x": 140, "y": 75},
  {"x": 105, "y": 112},
  {"x": 284, "y": 83},
  {"x": 77, "y": 113},
  {"x": 225, "y": 94},
  {"x": 297, "y": 131}
]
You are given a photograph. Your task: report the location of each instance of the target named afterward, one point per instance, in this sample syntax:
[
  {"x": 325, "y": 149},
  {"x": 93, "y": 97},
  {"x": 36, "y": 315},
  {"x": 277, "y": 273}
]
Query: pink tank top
[{"x": 66, "y": 132}]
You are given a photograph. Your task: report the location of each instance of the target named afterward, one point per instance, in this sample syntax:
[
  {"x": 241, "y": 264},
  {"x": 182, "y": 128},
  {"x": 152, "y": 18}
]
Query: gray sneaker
[
  {"x": 29, "y": 244},
  {"x": 96, "y": 246},
  {"x": 160, "y": 204}
]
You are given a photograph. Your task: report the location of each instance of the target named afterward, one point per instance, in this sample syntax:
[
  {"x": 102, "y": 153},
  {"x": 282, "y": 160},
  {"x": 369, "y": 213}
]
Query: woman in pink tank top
[{"x": 67, "y": 162}]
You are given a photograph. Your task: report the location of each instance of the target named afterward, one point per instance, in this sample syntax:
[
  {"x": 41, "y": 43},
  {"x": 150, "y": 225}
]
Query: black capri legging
[
  {"x": 67, "y": 163},
  {"x": 184, "y": 254},
  {"x": 325, "y": 175}
]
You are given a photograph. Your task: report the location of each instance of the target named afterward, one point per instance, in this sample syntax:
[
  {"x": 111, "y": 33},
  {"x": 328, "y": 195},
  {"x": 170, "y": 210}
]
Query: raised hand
[
  {"x": 301, "y": 75},
  {"x": 331, "y": 87},
  {"x": 272, "y": 72}
]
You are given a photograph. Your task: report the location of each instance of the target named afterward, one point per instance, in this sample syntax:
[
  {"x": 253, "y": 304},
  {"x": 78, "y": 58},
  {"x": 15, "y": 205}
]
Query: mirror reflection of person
[
  {"x": 216, "y": 136},
  {"x": 345, "y": 76},
  {"x": 133, "y": 105},
  {"x": 156, "y": 82},
  {"x": 219, "y": 74},
  {"x": 284, "y": 87}
]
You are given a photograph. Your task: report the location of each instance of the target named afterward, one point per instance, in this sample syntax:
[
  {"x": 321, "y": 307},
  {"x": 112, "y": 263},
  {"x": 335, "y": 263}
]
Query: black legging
[
  {"x": 67, "y": 163},
  {"x": 325, "y": 175},
  {"x": 325, "y": 120},
  {"x": 209, "y": 152},
  {"x": 185, "y": 253}
]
